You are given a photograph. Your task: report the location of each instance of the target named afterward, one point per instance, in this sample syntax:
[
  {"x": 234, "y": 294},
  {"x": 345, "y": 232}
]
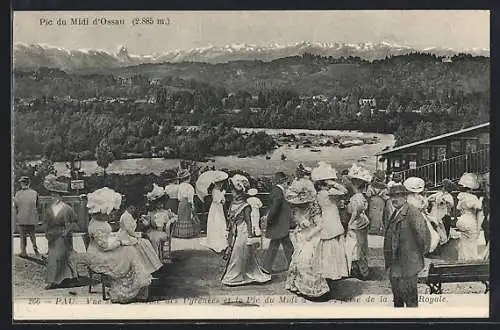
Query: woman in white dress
[
  {"x": 242, "y": 264},
  {"x": 216, "y": 221},
  {"x": 331, "y": 260},
  {"x": 442, "y": 204},
  {"x": 256, "y": 205},
  {"x": 470, "y": 220}
]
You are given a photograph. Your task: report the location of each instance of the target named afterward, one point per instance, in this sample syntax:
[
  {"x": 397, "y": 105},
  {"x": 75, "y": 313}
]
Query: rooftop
[{"x": 435, "y": 138}]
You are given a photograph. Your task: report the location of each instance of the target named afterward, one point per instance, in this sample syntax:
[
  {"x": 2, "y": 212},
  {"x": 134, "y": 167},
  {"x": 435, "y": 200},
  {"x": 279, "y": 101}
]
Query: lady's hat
[
  {"x": 336, "y": 189},
  {"x": 300, "y": 192},
  {"x": 324, "y": 171},
  {"x": 378, "y": 180},
  {"x": 240, "y": 182},
  {"x": 51, "y": 183},
  {"x": 156, "y": 193},
  {"x": 252, "y": 192},
  {"x": 303, "y": 169},
  {"x": 183, "y": 174},
  {"x": 448, "y": 185},
  {"x": 469, "y": 180},
  {"x": 397, "y": 189},
  {"x": 103, "y": 201},
  {"x": 414, "y": 185},
  {"x": 357, "y": 172}
]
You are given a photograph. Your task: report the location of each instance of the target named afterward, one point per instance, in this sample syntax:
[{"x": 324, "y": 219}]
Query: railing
[{"x": 451, "y": 168}]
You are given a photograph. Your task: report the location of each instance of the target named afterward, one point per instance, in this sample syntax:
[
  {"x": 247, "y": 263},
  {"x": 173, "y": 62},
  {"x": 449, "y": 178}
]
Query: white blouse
[{"x": 186, "y": 191}]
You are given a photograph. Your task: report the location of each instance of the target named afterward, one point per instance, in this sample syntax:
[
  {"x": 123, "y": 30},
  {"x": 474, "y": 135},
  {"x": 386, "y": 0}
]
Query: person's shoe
[
  {"x": 37, "y": 254},
  {"x": 50, "y": 286},
  {"x": 23, "y": 254}
]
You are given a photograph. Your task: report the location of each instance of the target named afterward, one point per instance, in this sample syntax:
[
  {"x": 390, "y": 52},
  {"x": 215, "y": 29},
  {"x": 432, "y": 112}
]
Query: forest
[{"x": 134, "y": 110}]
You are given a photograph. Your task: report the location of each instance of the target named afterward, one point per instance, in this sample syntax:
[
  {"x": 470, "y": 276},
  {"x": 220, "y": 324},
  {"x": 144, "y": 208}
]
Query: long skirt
[
  {"x": 468, "y": 249},
  {"x": 302, "y": 278},
  {"x": 158, "y": 238},
  {"x": 149, "y": 257},
  {"x": 172, "y": 204},
  {"x": 60, "y": 264},
  {"x": 360, "y": 267},
  {"x": 216, "y": 229},
  {"x": 125, "y": 267},
  {"x": 187, "y": 225},
  {"x": 243, "y": 266},
  {"x": 376, "y": 208},
  {"x": 331, "y": 260}
]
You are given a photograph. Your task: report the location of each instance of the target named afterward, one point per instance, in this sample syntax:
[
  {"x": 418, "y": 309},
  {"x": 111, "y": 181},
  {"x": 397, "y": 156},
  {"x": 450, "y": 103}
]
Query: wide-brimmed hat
[
  {"x": 240, "y": 182},
  {"x": 378, "y": 180},
  {"x": 103, "y": 201},
  {"x": 51, "y": 183},
  {"x": 336, "y": 189},
  {"x": 304, "y": 169},
  {"x": 448, "y": 185},
  {"x": 300, "y": 192},
  {"x": 323, "y": 171},
  {"x": 183, "y": 174},
  {"x": 414, "y": 184},
  {"x": 469, "y": 180},
  {"x": 397, "y": 189},
  {"x": 252, "y": 192},
  {"x": 360, "y": 173},
  {"x": 156, "y": 193}
]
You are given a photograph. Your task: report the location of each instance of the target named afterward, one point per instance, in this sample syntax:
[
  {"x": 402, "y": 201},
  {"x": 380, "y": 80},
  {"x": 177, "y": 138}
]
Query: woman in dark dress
[{"x": 61, "y": 223}]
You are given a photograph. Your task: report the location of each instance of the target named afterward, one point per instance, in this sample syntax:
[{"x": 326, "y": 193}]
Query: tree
[{"x": 104, "y": 155}]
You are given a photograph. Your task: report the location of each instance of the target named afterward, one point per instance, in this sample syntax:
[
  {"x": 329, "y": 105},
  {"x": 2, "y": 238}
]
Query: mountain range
[{"x": 32, "y": 56}]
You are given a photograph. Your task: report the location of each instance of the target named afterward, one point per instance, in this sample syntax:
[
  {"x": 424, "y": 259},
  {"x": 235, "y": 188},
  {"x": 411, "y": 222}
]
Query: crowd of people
[{"x": 321, "y": 218}]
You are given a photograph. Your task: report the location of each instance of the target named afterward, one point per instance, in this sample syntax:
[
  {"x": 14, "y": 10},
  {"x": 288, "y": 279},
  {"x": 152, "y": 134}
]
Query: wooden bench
[{"x": 457, "y": 272}]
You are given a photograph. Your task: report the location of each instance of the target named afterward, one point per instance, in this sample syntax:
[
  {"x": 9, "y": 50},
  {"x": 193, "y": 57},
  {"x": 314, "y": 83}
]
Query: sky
[{"x": 455, "y": 29}]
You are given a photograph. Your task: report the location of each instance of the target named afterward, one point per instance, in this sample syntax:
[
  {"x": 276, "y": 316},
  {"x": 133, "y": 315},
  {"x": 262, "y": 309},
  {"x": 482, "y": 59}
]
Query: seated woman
[
  {"x": 107, "y": 255},
  {"x": 302, "y": 277},
  {"x": 128, "y": 236},
  {"x": 159, "y": 222}
]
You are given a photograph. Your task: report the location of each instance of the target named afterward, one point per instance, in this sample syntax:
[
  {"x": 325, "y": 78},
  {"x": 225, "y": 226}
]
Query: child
[{"x": 256, "y": 204}]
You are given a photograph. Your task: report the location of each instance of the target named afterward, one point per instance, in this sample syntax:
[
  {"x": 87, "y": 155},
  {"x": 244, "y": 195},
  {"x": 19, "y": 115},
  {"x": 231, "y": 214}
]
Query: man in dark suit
[
  {"x": 406, "y": 241},
  {"x": 278, "y": 222}
]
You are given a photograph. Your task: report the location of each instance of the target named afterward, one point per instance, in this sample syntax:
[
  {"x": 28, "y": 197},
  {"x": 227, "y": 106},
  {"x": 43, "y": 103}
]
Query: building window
[
  {"x": 396, "y": 163},
  {"x": 455, "y": 147},
  {"x": 426, "y": 154},
  {"x": 470, "y": 146},
  {"x": 441, "y": 153},
  {"x": 413, "y": 164}
]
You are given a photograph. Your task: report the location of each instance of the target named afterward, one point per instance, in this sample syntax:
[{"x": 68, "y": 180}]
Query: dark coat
[
  {"x": 279, "y": 215},
  {"x": 406, "y": 241}
]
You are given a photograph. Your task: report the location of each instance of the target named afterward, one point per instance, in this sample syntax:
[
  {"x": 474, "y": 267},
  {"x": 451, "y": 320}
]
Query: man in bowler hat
[{"x": 406, "y": 241}]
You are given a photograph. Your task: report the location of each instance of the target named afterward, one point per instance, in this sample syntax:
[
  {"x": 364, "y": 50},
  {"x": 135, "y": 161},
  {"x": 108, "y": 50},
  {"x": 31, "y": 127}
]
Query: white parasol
[{"x": 206, "y": 179}]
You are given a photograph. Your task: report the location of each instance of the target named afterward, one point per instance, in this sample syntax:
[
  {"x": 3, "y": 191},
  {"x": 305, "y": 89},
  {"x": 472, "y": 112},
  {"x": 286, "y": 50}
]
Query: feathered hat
[{"x": 104, "y": 201}]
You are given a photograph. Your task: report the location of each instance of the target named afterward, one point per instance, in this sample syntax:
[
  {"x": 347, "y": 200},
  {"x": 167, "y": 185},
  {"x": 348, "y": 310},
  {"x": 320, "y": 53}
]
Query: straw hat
[
  {"x": 51, "y": 183},
  {"x": 357, "y": 172},
  {"x": 469, "y": 180},
  {"x": 300, "y": 192},
  {"x": 252, "y": 192},
  {"x": 104, "y": 201},
  {"x": 324, "y": 171},
  {"x": 156, "y": 193},
  {"x": 240, "y": 182},
  {"x": 414, "y": 184},
  {"x": 336, "y": 189}
]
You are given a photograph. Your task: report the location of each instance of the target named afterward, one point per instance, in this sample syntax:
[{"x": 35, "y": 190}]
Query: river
[{"x": 259, "y": 165}]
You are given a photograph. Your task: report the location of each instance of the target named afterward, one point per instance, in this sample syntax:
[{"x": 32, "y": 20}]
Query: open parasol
[{"x": 206, "y": 179}]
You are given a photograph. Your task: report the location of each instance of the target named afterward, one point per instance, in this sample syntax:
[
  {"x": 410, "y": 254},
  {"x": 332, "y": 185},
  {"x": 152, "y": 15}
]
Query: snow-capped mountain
[{"x": 41, "y": 55}]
